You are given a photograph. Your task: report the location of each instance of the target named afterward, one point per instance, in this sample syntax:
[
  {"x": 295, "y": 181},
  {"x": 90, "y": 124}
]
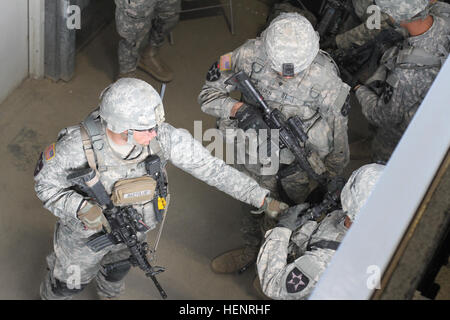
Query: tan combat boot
[
  {"x": 234, "y": 260},
  {"x": 361, "y": 149},
  {"x": 151, "y": 63}
]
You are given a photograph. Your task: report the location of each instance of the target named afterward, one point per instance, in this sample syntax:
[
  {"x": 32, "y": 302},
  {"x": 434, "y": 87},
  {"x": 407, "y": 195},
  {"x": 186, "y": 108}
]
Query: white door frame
[
  {"x": 374, "y": 237},
  {"x": 36, "y": 38}
]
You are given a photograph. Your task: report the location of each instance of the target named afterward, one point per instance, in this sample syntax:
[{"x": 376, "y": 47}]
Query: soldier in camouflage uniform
[
  {"x": 313, "y": 91},
  {"x": 357, "y": 35},
  {"x": 115, "y": 140},
  {"x": 361, "y": 33},
  {"x": 311, "y": 245},
  {"x": 392, "y": 95},
  {"x": 134, "y": 20}
]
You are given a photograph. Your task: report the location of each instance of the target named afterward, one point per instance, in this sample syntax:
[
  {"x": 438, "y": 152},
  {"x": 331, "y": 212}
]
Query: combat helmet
[
  {"x": 404, "y": 10},
  {"x": 131, "y": 104},
  {"x": 358, "y": 188},
  {"x": 291, "y": 43}
]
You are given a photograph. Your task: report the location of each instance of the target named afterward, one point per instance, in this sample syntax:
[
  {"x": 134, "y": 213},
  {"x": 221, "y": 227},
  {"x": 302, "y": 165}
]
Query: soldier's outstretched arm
[
  {"x": 189, "y": 155},
  {"x": 51, "y": 185}
]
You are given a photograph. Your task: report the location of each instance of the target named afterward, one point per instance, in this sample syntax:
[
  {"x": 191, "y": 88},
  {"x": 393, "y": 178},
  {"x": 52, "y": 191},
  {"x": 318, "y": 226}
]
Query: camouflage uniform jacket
[
  {"x": 316, "y": 243},
  {"x": 176, "y": 146},
  {"x": 317, "y": 95},
  {"x": 406, "y": 83}
]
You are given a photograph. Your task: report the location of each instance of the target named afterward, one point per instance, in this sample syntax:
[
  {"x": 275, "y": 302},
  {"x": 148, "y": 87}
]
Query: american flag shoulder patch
[
  {"x": 225, "y": 62},
  {"x": 50, "y": 152}
]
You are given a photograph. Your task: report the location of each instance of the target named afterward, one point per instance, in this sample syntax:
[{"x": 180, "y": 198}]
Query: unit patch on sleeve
[
  {"x": 213, "y": 72},
  {"x": 225, "y": 62},
  {"x": 50, "y": 152},
  {"x": 296, "y": 281}
]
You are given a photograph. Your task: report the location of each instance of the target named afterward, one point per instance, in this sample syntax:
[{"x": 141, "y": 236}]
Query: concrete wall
[{"x": 13, "y": 44}]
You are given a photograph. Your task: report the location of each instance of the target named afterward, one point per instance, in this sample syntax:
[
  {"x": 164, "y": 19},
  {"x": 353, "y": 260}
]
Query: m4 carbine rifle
[
  {"x": 330, "y": 202},
  {"x": 291, "y": 133},
  {"x": 125, "y": 222}
]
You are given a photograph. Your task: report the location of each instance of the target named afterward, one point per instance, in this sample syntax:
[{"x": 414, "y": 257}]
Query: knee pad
[
  {"x": 117, "y": 273},
  {"x": 60, "y": 288}
]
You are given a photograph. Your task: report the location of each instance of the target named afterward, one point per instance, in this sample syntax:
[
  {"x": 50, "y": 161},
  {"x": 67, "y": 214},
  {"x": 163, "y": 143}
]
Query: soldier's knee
[
  {"x": 61, "y": 289},
  {"x": 117, "y": 274}
]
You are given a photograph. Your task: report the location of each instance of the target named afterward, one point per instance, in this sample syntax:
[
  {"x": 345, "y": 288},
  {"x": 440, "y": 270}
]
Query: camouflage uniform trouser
[
  {"x": 135, "y": 19},
  {"x": 72, "y": 261},
  {"x": 296, "y": 186}
]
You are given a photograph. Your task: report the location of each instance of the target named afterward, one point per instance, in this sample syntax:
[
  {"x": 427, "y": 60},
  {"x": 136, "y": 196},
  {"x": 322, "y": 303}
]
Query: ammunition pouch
[{"x": 133, "y": 191}]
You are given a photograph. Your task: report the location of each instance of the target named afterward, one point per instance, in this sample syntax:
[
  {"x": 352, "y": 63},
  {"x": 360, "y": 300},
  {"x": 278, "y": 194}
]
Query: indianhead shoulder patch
[
  {"x": 296, "y": 281},
  {"x": 50, "y": 152},
  {"x": 213, "y": 72}
]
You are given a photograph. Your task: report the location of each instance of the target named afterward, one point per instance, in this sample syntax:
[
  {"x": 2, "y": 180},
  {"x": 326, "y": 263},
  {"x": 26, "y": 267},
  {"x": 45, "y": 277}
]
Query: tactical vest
[
  {"x": 309, "y": 90},
  {"x": 101, "y": 157},
  {"x": 408, "y": 57},
  {"x": 302, "y": 96}
]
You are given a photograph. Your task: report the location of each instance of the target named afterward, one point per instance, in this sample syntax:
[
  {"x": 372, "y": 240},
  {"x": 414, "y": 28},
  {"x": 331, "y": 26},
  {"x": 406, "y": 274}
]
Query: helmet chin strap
[{"x": 130, "y": 138}]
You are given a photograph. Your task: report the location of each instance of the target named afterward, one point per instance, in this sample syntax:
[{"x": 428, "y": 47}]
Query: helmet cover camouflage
[
  {"x": 131, "y": 104},
  {"x": 403, "y": 10},
  {"x": 291, "y": 38},
  {"x": 358, "y": 188}
]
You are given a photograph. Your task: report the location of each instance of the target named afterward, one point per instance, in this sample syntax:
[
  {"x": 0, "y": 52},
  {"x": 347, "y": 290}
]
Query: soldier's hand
[
  {"x": 290, "y": 217},
  {"x": 92, "y": 216},
  {"x": 273, "y": 207},
  {"x": 336, "y": 185},
  {"x": 235, "y": 108},
  {"x": 249, "y": 117}
]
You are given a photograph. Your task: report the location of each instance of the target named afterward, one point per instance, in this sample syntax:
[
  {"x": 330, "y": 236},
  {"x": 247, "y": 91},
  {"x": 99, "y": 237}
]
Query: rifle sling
[
  {"x": 87, "y": 147},
  {"x": 324, "y": 244}
]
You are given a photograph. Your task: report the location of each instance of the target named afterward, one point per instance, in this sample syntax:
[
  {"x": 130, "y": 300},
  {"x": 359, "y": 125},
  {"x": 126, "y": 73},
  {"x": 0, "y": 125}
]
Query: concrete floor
[{"x": 202, "y": 222}]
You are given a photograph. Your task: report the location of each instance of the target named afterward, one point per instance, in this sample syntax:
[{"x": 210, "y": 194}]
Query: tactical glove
[
  {"x": 92, "y": 216},
  {"x": 271, "y": 207},
  {"x": 336, "y": 185},
  {"x": 291, "y": 218},
  {"x": 250, "y": 118}
]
